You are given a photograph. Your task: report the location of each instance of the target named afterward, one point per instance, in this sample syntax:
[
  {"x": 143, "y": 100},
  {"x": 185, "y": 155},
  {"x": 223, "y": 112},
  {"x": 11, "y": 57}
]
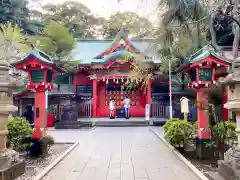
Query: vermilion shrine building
[{"x": 104, "y": 68}]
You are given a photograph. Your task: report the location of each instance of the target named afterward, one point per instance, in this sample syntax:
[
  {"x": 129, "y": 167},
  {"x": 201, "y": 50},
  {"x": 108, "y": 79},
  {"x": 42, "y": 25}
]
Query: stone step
[
  {"x": 68, "y": 125},
  {"x": 121, "y": 123}
]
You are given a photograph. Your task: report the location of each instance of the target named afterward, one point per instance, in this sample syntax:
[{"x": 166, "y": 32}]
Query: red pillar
[
  {"x": 40, "y": 114},
  {"x": 203, "y": 123},
  {"x": 94, "y": 98},
  {"x": 149, "y": 94},
  {"x": 224, "y": 101}
]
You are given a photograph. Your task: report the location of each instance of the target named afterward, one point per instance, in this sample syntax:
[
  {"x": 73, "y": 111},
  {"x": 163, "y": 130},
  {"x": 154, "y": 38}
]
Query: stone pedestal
[
  {"x": 8, "y": 158},
  {"x": 229, "y": 168}
]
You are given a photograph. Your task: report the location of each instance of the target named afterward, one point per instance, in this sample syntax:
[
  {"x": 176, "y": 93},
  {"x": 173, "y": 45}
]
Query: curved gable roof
[{"x": 86, "y": 50}]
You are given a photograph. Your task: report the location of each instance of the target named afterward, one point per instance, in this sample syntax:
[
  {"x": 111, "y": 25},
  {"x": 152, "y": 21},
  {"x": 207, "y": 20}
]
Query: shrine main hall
[{"x": 103, "y": 72}]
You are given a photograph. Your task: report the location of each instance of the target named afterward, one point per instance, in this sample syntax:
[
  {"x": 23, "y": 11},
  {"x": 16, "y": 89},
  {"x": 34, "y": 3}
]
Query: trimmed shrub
[
  {"x": 18, "y": 130},
  {"x": 169, "y": 122},
  {"x": 224, "y": 132},
  {"x": 46, "y": 143},
  {"x": 178, "y": 133}
]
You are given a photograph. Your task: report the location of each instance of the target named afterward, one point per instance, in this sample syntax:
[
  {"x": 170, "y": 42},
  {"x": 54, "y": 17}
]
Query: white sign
[
  {"x": 147, "y": 112},
  {"x": 184, "y": 105}
]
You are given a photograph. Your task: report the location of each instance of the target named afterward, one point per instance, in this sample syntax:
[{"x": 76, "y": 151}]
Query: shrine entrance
[{"x": 116, "y": 89}]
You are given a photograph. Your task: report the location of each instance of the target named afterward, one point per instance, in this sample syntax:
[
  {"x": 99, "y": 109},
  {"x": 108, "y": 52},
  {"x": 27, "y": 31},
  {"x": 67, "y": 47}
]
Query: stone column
[
  {"x": 9, "y": 159},
  {"x": 6, "y": 104}
]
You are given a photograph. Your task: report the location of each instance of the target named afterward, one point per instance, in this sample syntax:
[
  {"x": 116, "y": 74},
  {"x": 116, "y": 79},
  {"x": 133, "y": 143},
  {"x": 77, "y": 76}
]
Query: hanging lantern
[
  {"x": 107, "y": 81},
  {"x": 122, "y": 79},
  {"x": 103, "y": 79},
  {"x": 114, "y": 80},
  {"x": 117, "y": 81}
]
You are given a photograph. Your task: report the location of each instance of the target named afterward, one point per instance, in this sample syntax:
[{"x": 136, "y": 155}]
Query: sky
[{"x": 105, "y": 8}]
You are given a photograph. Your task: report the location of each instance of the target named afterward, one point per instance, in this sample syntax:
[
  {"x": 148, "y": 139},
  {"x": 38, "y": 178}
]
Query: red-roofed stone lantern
[
  {"x": 202, "y": 69},
  {"x": 40, "y": 69}
]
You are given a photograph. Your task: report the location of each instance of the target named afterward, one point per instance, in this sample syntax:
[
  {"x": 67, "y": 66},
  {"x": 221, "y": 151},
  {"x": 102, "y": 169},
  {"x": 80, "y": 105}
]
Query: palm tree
[{"x": 185, "y": 14}]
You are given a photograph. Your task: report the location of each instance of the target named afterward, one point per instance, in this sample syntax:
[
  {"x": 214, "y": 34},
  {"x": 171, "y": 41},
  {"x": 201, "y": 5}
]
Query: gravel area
[
  {"x": 205, "y": 165},
  {"x": 35, "y": 166}
]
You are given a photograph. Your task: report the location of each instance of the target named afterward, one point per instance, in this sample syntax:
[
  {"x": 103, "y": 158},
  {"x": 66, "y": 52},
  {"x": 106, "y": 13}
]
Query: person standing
[
  {"x": 29, "y": 115},
  {"x": 126, "y": 104},
  {"x": 111, "y": 108}
]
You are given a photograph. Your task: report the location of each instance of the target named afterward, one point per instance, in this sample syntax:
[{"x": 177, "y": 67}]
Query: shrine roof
[
  {"x": 87, "y": 50},
  {"x": 39, "y": 55},
  {"x": 206, "y": 51}
]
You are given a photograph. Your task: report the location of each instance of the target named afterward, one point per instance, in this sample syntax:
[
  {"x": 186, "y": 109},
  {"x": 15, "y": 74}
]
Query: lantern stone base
[
  {"x": 229, "y": 168},
  {"x": 13, "y": 171},
  {"x": 203, "y": 149},
  {"x": 11, "y": 166}
]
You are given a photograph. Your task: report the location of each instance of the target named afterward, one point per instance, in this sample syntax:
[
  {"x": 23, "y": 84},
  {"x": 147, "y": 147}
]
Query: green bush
[
  {"x": 169, "y": 122},
  {"x": 195, "y": 127},
  {"x": 46, "y": 143},
  {"x": 223, "y": 135},
  {"x": 224, "y": 132},
  {"x": 18, "y": 129},
  {"x": 178, "y": 133}
]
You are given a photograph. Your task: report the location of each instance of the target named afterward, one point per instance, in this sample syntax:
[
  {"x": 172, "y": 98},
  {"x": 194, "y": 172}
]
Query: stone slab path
[{"x": 118, "y": 153}]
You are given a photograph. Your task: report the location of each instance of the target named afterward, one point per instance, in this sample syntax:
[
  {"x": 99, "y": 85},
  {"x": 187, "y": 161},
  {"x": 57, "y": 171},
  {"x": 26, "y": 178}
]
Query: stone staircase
[
  {"x": 120, "y": 123},
  {"x": 106, "y": 122}
]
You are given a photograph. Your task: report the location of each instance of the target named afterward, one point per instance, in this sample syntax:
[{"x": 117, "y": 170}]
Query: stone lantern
[
  {"x": 40, "y": 69},
  {"x": 10, "y": 165},
  {"x": 229, "y": 168}
]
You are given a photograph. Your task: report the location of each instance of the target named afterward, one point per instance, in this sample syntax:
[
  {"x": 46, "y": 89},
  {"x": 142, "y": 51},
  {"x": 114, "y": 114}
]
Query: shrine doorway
[{"x": 118, "y": 92}]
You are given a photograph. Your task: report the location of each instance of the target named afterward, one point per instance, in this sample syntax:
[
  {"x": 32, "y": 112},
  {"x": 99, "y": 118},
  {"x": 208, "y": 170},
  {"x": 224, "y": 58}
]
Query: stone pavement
[{"x": 118, "y": 153}]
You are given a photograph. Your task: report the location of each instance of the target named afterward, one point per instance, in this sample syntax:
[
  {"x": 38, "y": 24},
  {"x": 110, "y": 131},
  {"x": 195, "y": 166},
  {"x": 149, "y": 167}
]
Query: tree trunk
[
  {"x": 199, "y": 43},
  {"x": 212, "y": 31},
  {"x": 236, "y": 31},
  {"x": 189, "y": 31}
]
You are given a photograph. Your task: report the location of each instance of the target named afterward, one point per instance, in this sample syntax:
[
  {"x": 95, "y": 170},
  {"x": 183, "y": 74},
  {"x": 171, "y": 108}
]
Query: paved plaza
[{"x": 118, "y": 153}]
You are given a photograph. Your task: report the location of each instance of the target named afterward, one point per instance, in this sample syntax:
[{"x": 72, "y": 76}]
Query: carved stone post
[{"x": 10, "y": 164}]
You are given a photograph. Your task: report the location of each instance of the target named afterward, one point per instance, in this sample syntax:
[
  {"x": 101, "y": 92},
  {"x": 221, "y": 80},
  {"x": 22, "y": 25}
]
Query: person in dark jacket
[{"x": 29, "y": 115}]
